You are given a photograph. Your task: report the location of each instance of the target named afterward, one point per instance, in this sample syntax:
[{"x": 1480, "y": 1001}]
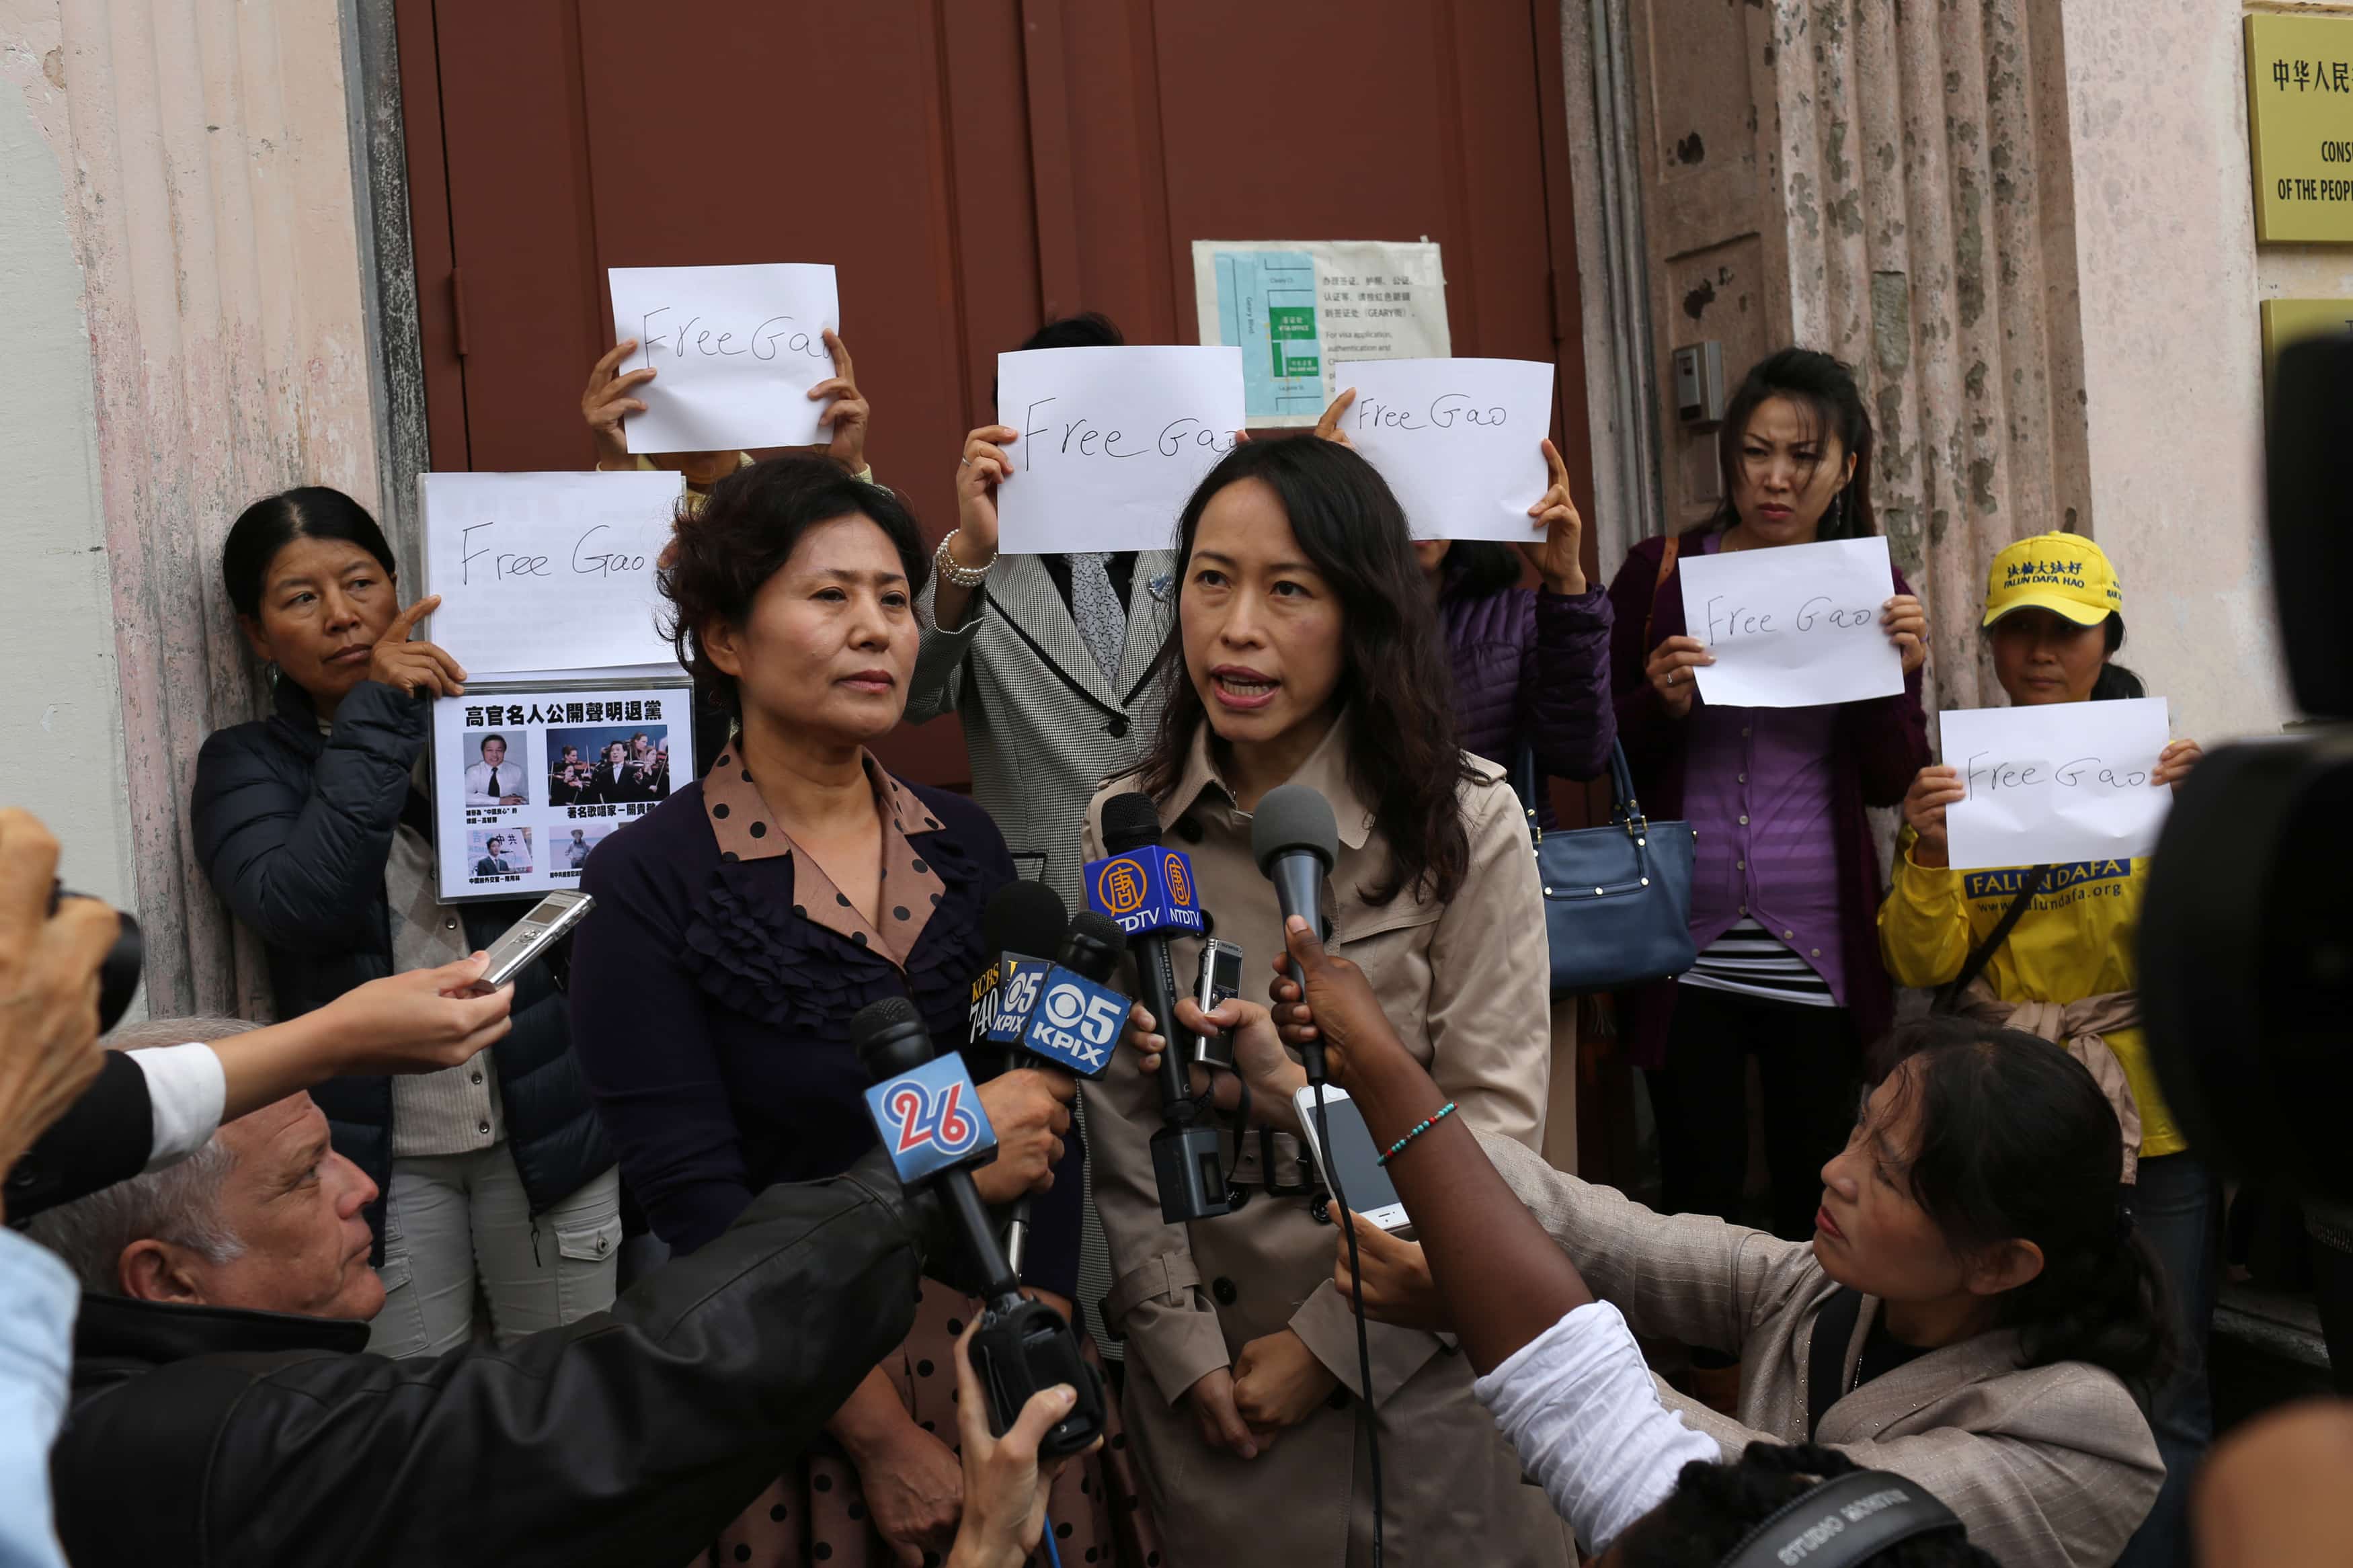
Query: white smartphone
[
  {"x": 550, "y": 921},
  {"x": 1365, "y": 1185}
]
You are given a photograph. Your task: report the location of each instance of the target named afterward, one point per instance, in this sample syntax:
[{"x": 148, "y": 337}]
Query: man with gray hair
[
  {"x": 224, "y": 1408},
  {"x": 179, "y": 1181}
]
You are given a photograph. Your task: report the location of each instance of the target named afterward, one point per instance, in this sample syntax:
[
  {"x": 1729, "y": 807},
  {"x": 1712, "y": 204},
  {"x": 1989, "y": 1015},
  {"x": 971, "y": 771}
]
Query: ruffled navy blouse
[{"x": 711, "y": 1005}]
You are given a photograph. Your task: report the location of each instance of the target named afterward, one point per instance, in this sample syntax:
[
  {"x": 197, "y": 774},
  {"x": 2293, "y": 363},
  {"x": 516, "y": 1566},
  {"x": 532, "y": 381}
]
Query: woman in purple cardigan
[
  {"x": 1784, "y": 885},
  {"x": 1531, "y": 670}
]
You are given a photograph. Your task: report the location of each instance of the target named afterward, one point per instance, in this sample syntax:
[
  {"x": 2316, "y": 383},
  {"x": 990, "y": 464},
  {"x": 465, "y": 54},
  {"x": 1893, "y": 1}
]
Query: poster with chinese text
[{"x": 526, "y": 784}]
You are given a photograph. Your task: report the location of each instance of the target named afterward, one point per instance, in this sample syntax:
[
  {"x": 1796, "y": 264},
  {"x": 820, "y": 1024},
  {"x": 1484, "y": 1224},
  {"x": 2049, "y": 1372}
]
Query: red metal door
[{"x": 971, "y": 167}]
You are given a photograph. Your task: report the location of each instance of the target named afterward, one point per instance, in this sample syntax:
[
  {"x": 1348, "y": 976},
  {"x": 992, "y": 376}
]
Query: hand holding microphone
[
  {"x": 1148, "y": 891},
  {"x": 1294, "y": 840},
  {"x": 1337, "y": 1016},
  {"x": 1031, "y": 1113},
  {"x": 933, "y": 1125}
]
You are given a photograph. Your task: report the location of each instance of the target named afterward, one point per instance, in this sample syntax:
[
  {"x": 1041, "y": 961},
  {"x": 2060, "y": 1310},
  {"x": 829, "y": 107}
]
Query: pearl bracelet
[
  {"x": 955, "y": 572},
  {"x": 1419, "y": 1128}
]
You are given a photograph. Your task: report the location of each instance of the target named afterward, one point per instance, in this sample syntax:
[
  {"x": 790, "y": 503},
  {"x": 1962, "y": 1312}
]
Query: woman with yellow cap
[{"x": 2066, "y": 966}]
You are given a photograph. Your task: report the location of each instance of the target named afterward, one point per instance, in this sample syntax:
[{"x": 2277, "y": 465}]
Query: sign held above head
[
  {"x": 734, "y": 350},
  {"x": 1109, "y": 442},
  {"x": 1459, "y": 440}
]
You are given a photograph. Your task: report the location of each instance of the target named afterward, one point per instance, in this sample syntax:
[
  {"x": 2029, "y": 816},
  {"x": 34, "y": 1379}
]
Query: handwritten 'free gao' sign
[
  {"x": 1792, "y": 626},
  {"x": 1110, "y": 441},
  {"x": 547, "y": 572},
  {"x": 1459, "y": 440},
  {"x": 2056, "y": 783},
  {"x": 734, "y": 350}
]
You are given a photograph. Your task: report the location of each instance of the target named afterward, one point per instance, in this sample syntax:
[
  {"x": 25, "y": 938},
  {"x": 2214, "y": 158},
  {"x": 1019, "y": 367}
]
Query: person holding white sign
[
  {"x": 312, "y": 827},
  {"x": 1786, "y": 876},
  {"x": 1042, "y": 656},
  {"x": 1531, "y": 682},
  {"x": 2051, "y": 948},
  {"x": 612, "y": 397}
]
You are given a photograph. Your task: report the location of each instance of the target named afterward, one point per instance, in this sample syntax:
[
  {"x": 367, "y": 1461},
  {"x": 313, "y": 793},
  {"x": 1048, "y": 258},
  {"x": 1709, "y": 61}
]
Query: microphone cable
[{"x": 1366, "y": 1414}]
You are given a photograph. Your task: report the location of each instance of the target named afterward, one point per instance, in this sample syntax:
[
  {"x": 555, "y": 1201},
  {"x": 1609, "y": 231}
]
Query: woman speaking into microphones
[{"x": 1306, "y": 651}]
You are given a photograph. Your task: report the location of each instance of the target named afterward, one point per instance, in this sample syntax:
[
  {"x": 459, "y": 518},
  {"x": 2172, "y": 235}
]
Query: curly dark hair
[
  {"x": 2016, "y": 1141},
  {"x": 1827, "y": 387},
  {"x": 1714, "y": 1507},
  {"x": 746, "y": 530},
  {"x": 1395, "y": 680}
]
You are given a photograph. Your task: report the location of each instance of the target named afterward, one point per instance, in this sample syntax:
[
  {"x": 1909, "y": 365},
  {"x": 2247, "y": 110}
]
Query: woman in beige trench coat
[{"x": 1306, "y": 652}]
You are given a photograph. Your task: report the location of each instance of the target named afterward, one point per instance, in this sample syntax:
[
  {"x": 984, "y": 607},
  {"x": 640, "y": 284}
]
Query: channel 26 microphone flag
[{"x": 930, "y": 1119}]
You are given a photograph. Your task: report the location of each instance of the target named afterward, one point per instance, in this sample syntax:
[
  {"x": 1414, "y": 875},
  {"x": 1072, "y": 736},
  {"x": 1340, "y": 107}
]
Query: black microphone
[
  {"x": 1131, "y": 822},
  {"x": 1022, "y": 1345},
  {"x": 1186, "y": 1159},
  {"x": 1019, "y": 931},
  {"x": 1294, "y": 840},
  {"x": 1093, "y": 947}
]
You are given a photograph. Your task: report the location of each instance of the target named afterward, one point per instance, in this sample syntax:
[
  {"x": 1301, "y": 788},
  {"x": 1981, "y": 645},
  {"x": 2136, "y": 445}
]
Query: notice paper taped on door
[{"x": 1298, "y": 308}]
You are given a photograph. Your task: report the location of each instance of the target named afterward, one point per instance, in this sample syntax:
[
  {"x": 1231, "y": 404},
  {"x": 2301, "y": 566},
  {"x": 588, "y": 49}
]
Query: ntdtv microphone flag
[
  {"x": 930, "y": 1119},
  {"x": 1147, "y": 891}
]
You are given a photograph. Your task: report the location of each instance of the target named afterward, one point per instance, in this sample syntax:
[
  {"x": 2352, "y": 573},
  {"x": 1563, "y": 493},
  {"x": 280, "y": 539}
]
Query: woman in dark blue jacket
[
  {"x": 741, "y": 924},
  {"x": 314, "y": 826}
]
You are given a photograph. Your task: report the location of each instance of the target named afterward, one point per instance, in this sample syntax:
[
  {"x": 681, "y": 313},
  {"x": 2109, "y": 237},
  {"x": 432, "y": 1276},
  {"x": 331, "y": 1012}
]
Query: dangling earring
[{"x": 1834, "y": 525}]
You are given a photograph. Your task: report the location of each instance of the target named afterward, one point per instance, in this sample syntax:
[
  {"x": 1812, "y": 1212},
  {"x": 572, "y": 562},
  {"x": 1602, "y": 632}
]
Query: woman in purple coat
[
  {"x": 1785, "y": 882},
  {"x": 1531, "y": 670}
]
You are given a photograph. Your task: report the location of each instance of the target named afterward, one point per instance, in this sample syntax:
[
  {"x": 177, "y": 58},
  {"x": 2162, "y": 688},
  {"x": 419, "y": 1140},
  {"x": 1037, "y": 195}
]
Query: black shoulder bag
[{"x": 1948, "y": 999}]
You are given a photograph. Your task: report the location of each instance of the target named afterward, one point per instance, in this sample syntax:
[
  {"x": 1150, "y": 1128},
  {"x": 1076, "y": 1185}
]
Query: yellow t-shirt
[{"x": 2075, "y": 940}]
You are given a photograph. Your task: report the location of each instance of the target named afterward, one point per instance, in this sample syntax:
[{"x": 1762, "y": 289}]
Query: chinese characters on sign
[
  {"x": 1297, "y": 309},
  {"x": 526, "y": 784},
  {"x": 2300, "y": 126}
]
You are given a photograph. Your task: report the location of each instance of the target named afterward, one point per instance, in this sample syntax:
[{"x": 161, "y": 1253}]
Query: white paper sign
[
  {"x": 1459, "y": 440},
  {"x": 1112, "y": 442},
  {"x": 547, "y": 572},
  {"x": 736, "y": 350},
  {"x": 527, "y": 782},
  {"x": 1793, "y": 625},
  {"x": 2055, "y": 784}
]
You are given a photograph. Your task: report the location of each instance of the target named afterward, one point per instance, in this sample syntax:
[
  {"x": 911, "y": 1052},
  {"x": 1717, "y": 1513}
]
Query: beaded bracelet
[{"x": 1420, "y": 1128}]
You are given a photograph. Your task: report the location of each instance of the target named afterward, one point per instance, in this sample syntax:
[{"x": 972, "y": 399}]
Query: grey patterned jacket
[{"x": 1042, "y": 725}]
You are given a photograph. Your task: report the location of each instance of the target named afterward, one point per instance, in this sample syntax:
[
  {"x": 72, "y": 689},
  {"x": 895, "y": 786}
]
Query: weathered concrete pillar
[{"x": 205, "y": 166}]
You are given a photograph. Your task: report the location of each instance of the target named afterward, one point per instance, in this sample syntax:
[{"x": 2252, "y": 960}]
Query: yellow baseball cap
[{"x": 2062, "y": 573}]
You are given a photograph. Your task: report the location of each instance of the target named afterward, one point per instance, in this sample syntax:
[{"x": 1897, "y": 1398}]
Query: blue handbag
[{"x": 1617, "y": 899}]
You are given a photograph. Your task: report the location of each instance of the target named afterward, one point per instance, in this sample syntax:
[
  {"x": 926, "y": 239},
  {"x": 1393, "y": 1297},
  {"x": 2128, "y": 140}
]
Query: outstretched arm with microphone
[{"x": 1501, "y": 1280}]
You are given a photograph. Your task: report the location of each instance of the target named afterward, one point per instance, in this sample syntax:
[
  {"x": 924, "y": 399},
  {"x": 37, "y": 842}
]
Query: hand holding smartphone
[{"x": 1364, "y": 1184}]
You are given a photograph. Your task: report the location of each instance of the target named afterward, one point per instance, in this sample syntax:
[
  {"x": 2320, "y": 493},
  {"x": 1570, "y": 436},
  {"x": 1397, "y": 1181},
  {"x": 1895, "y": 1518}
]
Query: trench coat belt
[{"x": 1292, "y": 1169}]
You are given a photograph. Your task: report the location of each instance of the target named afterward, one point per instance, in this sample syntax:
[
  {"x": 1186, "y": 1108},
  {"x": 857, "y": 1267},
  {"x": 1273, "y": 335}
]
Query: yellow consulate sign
[{"x": 2300, "y": 126}]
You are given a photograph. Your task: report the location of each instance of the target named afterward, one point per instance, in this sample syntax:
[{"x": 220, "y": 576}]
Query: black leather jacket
[
  {"x": 206, "y": 1436},
  {"x": 293, "y": 828}
]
